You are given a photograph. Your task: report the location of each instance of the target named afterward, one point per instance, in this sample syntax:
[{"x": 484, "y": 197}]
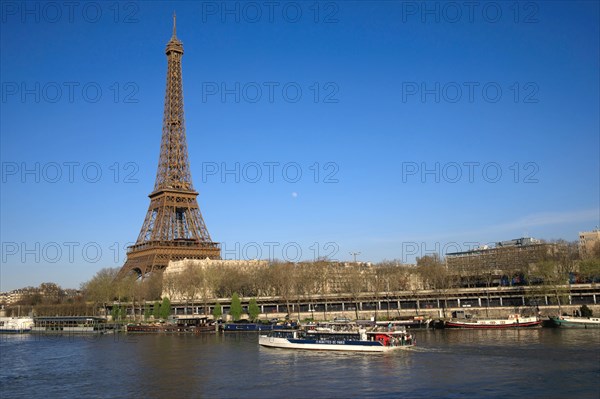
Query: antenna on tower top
[{"x": 174, "y": 24}]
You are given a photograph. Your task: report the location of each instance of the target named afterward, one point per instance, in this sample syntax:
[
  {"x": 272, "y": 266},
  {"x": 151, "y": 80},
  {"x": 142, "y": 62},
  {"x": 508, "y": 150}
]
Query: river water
[{"x": 539, "y": 363}]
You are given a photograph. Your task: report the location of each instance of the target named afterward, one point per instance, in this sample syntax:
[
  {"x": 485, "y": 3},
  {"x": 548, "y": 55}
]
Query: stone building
[
  {"x": 506, "y": 258},
  {"x": 588, "y": 240}
]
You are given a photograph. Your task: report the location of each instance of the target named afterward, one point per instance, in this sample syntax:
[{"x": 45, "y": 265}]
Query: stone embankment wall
[{"x": 496, "y": 312}]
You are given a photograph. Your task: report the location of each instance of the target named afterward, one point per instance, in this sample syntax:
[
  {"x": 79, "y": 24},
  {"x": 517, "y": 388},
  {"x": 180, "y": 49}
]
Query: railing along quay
[{"x": 516, "y": 296}]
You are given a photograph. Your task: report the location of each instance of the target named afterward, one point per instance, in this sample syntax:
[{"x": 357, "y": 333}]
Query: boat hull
[
  {"x": 242, "y": 327},
  {"x": 14, "y": 330},
  {"x": 576, "y": 322},
  {"x": 523, "y": 322},
  {"x": 169, "y": 329}
]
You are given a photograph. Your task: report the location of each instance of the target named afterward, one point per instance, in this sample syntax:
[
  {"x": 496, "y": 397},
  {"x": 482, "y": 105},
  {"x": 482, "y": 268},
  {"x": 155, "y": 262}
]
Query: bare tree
[
  {"x": 125, "y": 289},
  {"x": 189, "y": 283},
  {"x": 390, "y": 277},
  {"x": 432, "y": 271},
  {"x": 354, "y": 284},
  {"x": 321, "y": 275},
  {"x": 101, "y": 289},
  {"x": 171, "y": 285},
  {"x": 208, "y": 281},
  {"x": 435, "y": 274},
  {"x": 549, "y": 282},
  {"x": 152, "y": 286},
  {"x": 282, "y": 278},
  {"x": 51, "y": 292}
]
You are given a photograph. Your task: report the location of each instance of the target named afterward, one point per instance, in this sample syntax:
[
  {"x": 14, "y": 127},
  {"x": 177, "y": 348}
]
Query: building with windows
[
  {"x": 507, "y": 259},
  {"x": 589, "y": 243}
]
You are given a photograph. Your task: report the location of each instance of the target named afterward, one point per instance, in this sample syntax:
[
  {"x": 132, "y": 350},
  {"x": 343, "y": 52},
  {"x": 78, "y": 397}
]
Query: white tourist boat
[
  {"x": 15, "y": 324},
  {"x": 69, "y": 324},
  {"x": 356, "y": 340}
]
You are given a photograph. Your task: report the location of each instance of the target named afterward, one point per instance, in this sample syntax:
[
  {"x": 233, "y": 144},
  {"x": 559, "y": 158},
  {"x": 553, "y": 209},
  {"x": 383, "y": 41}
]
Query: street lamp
[{"x": 354, "y": 254}]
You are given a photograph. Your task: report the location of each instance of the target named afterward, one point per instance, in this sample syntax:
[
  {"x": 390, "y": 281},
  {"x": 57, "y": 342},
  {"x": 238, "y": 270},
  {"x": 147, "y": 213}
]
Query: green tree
[
  {"x": 147, "y": 312},
  {"x": 156, "y": 310},
  {"x": 115, "y": 313},
  {"x": 118, "y": 313},
  {"x": 253, "y": 309},
  {"x": 236, "y": 307},
  {"x": 550, "y": 282},
  {"x": 165, "y": 308},
  {"x": 585, "y": 311},
  {"x": 589, "y": 270},
  {"x": 217, "y": 311}
]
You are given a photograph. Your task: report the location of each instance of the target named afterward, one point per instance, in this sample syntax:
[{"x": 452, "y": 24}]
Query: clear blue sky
[{"x": 388, "y": 90}]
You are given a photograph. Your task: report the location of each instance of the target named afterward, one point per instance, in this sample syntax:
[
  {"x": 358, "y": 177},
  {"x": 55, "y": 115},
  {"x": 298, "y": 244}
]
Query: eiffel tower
[{"x": 173, "y": 228}]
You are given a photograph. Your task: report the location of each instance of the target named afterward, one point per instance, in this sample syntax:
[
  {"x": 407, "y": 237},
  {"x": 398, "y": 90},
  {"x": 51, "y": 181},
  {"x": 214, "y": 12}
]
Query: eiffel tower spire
[
  {"x": 173, "y": 228},
  {"x": 173, "y": 165}
]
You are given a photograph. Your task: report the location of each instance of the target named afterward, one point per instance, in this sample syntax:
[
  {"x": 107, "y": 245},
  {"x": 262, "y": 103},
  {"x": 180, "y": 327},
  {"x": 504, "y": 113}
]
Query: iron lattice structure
[{"x": 173, "y": 228}]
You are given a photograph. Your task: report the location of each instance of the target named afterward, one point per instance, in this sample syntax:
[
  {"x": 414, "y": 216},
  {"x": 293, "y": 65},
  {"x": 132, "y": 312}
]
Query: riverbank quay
[
  {"x": 493, "y": 302},
  {"x": 435, "y": 304}
]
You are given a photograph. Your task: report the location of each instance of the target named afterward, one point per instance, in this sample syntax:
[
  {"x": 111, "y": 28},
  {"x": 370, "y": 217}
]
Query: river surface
[{"x": 539, "y": 363}]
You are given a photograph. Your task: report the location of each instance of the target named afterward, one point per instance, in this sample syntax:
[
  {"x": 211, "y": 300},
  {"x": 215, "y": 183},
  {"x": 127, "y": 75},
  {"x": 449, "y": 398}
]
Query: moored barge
[
  {"x": 512, "y": 321},
  {"x": 575, "y": 322}
]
